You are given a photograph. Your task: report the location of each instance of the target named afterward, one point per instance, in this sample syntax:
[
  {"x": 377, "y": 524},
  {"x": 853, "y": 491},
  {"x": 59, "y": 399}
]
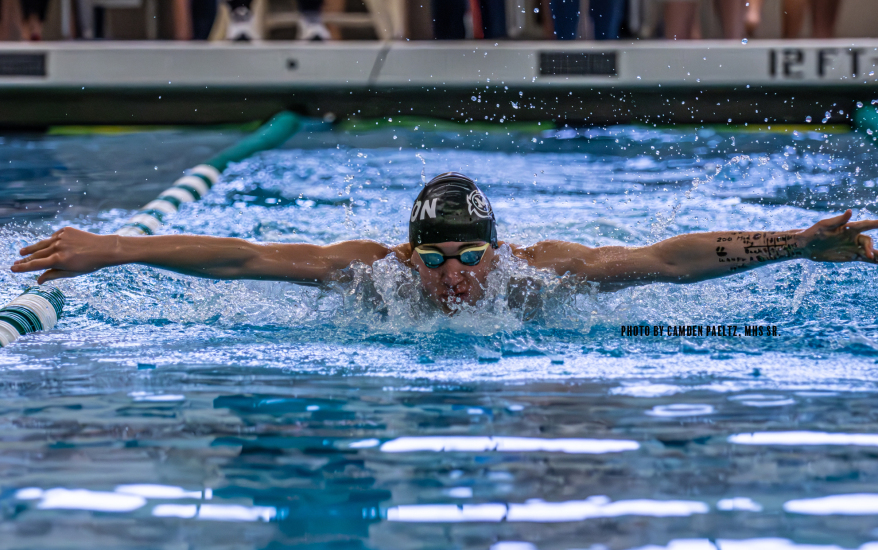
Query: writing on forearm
[{"x": 744, "y": 249}]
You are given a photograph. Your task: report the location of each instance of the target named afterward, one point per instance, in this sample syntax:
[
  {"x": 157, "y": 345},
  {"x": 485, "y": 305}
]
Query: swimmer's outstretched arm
[
  {"x": 70, "y": 252},
  {"x": 700, "y": 256}
]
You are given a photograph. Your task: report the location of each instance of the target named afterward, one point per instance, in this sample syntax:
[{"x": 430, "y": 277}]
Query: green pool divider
[
  {"x": 866, "y": 120},
  {"x": 40, "y": 308},
  {"x": 34, "y": 310},
  {"x": 198, "y": 180}
]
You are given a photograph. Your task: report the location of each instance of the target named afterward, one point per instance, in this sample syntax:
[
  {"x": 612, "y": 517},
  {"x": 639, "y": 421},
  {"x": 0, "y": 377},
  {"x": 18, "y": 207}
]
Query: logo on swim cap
[{"x": 478, "y": 205}]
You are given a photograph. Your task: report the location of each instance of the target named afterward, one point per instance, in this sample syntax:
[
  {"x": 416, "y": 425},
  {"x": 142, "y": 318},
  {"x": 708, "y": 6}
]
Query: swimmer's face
[{"x": 453, "y": 282}]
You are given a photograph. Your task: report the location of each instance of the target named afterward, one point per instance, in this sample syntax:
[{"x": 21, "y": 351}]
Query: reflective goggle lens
[
  {"x": 472, "y": 256},
  {"x": 432, "y": 259},
  {"x": 468, "y": 256}
]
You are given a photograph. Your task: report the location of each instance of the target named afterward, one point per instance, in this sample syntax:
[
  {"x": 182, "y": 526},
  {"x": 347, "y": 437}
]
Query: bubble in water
[{"x": 744, "y": 41}]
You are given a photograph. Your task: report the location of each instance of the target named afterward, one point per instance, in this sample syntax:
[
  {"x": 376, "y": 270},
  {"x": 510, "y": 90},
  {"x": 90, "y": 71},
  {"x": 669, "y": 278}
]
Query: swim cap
[{"x": 451, "y": 208}]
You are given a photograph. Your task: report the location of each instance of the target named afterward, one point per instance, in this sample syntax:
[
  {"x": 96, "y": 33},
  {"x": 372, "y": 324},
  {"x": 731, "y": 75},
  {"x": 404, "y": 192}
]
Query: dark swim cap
[{"x": 451, "y": 208}]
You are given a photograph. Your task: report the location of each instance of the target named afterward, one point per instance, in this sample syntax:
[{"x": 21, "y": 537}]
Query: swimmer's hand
[
  {"x": 837, "y": 240},
  {"x": 68, "y": 253}
]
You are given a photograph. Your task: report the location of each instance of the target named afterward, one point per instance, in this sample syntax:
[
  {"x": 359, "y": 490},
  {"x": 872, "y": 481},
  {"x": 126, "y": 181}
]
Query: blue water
[{"x": 171, "y": 412}]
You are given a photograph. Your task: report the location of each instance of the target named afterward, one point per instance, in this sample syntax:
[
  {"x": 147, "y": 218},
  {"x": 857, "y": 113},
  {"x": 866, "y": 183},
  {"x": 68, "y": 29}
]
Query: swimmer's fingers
[
  {"x": 36, "y": 256},
  {"x": 36, "y": 265},
  {"x": 832, "y": 224},
  {"x": 45, "y": 243},
  {"x": 868, "y": 253},
  {"x": 865, "y": 225}
]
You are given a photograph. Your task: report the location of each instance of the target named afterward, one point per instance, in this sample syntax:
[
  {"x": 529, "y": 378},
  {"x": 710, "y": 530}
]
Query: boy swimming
[{"x": 452, "y": 246}]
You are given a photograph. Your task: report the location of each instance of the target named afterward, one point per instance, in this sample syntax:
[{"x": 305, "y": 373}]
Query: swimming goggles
[{"x": 470, "y": 256}]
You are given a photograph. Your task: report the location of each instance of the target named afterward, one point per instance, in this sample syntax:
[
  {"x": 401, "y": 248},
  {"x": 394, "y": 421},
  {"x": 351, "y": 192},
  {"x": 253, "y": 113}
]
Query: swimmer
[{"x": 453, "y": 247}]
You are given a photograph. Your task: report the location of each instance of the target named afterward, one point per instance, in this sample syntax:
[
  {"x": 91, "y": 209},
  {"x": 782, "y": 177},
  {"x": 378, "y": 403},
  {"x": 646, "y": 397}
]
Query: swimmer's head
[
  {"x": 449, "y": 208},
  {"x": 453, "y": 235}
]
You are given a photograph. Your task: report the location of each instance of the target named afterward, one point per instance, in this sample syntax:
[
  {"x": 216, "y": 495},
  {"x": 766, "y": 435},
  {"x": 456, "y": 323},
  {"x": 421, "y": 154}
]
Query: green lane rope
[
  {"x": 34, "y": 310},
  {"x": 40, "y": 308}
]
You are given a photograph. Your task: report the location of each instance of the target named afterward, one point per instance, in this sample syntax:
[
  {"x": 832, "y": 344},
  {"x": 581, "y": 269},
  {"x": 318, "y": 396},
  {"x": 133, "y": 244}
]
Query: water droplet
[{"x": 744, "y": 41}]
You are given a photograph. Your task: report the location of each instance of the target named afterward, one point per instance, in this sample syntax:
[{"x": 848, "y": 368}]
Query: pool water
[{"x": 171, "y": 412}]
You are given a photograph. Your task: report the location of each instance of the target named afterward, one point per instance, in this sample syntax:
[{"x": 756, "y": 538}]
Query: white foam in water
[
  {"x": 475, "y": 444},
  {"x": 859, "y": 504},
  {"x": 804, "y": 438},
  {"x": 536, "y": 510},
  {"x": 83, "y": 499}
]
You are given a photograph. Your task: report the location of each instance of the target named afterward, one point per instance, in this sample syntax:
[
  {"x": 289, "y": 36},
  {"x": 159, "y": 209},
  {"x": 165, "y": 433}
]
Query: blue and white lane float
[
  {"x": 34, "y": 310},
  {"x": 40, "y": 308},
  {"x": 198, "y": 181},
  {"x": 191, "y": 187}
]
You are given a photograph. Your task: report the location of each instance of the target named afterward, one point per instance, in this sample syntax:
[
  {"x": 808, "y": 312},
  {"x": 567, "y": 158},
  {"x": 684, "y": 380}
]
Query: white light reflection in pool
[
  {"x": 364, "y": 444},
  {"x": 804, "y": 438},
  {"x": 681, "y": 409},
  {"x": 738, "y": 504},
  {"x": 215, "y": 512},
  {"x": 157, "y": 491},
  {"x": 163, "y": 397},
  {"x": 184, "y": 511},
  {"x": 536, "y": 510},
  {"x": 473, "y": 444},
  {"x": 857, "y": 504},
  {"x": 760, "y": 400},
  {"x": 82, "y": 499},
  {"x": 747, "y": 544},
  {"x": 512, "y": 545}
]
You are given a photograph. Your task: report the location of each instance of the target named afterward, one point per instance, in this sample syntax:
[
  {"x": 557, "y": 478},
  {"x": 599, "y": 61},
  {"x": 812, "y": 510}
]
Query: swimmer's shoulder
[
  {"x": 551, "y": 254},
  {"x": 403, "y": 253}
]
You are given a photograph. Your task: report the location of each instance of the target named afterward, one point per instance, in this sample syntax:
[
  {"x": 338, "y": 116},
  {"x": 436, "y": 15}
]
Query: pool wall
[{"x": 654, "y": 82}]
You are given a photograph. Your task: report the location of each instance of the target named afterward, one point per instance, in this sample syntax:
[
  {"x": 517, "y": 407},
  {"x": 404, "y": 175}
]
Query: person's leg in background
[
  {"x": 680, "y": 17},
  {"x": 565, "y": 14},
  {"x": 493, "y": 18},
  {"x": 242, "y": 27},
  {"x": 607, "y": 18},
  {"x": 754, "y": 16},
  {"x": 311, "y": 26},
  {"x": 448, "y": 19},
  {"x": 732, "y": 14},
  {"x": 183, "y": 20},
  {"x": 793, "y": 17},
  {"x": 824, "y": 14}
]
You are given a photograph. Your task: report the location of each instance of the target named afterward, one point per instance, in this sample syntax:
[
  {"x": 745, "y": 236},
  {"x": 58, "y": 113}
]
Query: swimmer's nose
[{"x": 452, "y": 274}]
